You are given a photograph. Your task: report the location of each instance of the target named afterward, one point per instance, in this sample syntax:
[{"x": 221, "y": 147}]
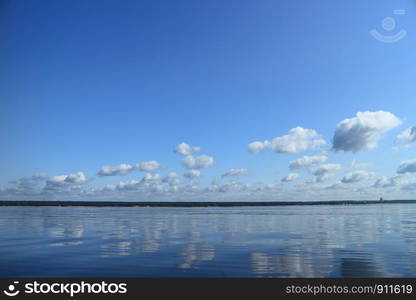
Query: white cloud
[
  {"x": 407, "y": 166},
  {"x": 192, "y": 174},
  {"x": 150, "y": 182},
  {"x": 336, "y": 186},
  {"x": 63, "y": 182},
  {"x": 172, "y": 179},
  {"x": 255, "y": 147},
  {"x": 115, "y": 170},
  {"x": 25, "y": 186},
  {"x": 290, "y": 177},
  {"x": 388, "y": 182},
  {"x": 363, "y": 131},
  {"x": 235, "y": 172},
  {"x": 76, "y": 178},
  {"x": 186, "y": 149},
  {"x": 148, "y": 166},
  {"x": 151, "y": 177},
  {"x": 307, "y": 161},
  {"x": 197, "y": 162},
  {"x": 298, "y": 139},
  {"x": 384, "y": 182},
  {"x": 230, "y": 187},
  {"x": 323, "y": 172},
  {"x": 128, "y": 185},
  {"x": 357, "y": 176},
  {"x": 408, "y": 136}
]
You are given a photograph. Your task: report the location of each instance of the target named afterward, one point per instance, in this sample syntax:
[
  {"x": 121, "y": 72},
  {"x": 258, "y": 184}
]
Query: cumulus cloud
[
  {"x": 77, "y": 178},
  {"x": 25, "y": 186},
  {"x": 115, "y": 170},
  {"x": 72, "y": 179},
  {"x": 307, "y": 161},
  {"x": 231, "y": 187},
  {"x": 172, "y": 179},
  {"x": 363, "y": 131},
  {"x": 408, "y": 136},
  {"x": 64, "y": 182},
  {"x": 197, "y": 162},
  {"x": 388, "y": 182},
  {"x": 150, "y": 182},
  {"x": 323, "y": 172},
  {"x": 336, "y": 186},
  {"x": 407, "y": 166},
  {"x": 235, "y": 172},
  {"x": 192, "y": 174},
  {"x": 148, "y": 166},
  {"x": 186, "y": 149},
  {"x": 129, "y": 185},
  {"x": 323, "y": 177},
  {"x": 255, "y": 147},
  {"x": 357, "y": 176},
  {"x": 151, "y": 177},
  {"x": 298, "y": 139},
  {"x": 290, "y": 177}
]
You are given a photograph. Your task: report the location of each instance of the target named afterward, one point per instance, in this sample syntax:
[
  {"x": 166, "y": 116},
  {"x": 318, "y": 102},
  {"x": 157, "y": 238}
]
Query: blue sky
[{"x": 89, "y": 84}]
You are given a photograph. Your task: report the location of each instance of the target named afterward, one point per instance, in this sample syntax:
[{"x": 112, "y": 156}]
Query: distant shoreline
[{"x": 199, "y": 204}]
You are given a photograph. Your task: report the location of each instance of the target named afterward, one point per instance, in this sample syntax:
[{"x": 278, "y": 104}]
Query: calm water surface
[{"x": 309, "y": 241}]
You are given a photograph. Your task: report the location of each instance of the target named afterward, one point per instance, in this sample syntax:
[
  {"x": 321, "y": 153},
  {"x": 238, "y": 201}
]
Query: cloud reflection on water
[{"x": 352, "y": 241}]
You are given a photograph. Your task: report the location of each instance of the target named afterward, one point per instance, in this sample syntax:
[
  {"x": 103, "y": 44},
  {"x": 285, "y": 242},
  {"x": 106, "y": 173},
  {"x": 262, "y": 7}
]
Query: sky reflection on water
[{"x": 322, "y": 241}]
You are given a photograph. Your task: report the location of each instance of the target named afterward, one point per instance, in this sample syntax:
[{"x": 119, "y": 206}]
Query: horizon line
[{"x": 37, "y": 203}]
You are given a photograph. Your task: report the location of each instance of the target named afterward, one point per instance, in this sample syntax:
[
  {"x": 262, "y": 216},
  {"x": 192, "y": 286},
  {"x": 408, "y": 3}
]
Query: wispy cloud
[
  {"x": 290, "y": 177},
  {"x": 407, "y": 166},
  {"x": 407, "y": 137},
  {"x": 192, "y": 174},
  {"x": 115, "y": 170},
  {"x": 235, "y": 172}
]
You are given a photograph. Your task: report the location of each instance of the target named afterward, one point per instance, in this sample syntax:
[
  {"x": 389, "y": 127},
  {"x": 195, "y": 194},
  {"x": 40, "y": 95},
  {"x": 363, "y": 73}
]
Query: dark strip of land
[{"x": 197, "y": 204}]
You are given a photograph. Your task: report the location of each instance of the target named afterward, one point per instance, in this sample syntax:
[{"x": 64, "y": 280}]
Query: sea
[{"x": 377, "y": 240}]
